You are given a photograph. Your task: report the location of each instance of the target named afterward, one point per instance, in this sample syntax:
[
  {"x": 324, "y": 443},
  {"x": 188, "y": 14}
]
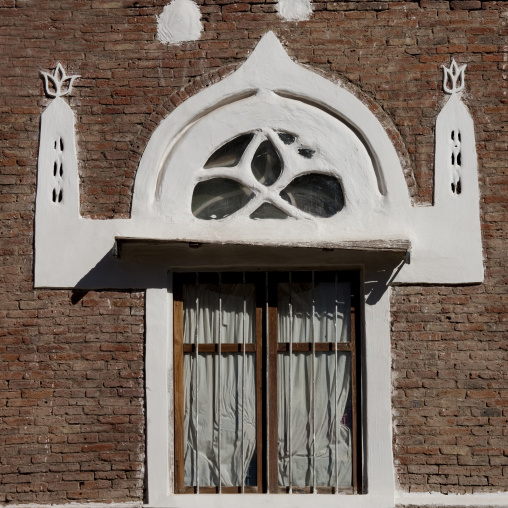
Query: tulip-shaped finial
[
  {"x": 453, "y": 78},
  {"x": 58, "y": 83}
]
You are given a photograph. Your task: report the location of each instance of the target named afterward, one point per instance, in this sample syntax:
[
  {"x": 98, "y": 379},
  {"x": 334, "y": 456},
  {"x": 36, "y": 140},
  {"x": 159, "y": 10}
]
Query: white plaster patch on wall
[
  {"x": 180, "y": 21},
  {"x": 295, "y": 10}
]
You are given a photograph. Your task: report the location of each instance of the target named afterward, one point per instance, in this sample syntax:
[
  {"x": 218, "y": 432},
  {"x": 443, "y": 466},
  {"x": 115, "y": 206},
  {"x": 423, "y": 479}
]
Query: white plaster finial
[
  {"x": 180, "y": 21},
  {"x": 61, "y": 83},
  {"x": 294, "y": 10},
  {"x": 453, "y": 77}
]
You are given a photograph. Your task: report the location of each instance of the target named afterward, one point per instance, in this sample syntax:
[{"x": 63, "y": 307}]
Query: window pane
[
  {"x": 218, "y": 198},
  {"x": 229, "y": 155},
  {"x": 319, "y": 195},
  {"x": 328, "y": 299},
  {"x": 333, "y": 435},
  {"x": 229, "y": 395},
  {"x": 268, "y": 211},
  {"x": 232, "y": 323},
  {"x": 266, "y": 164}
]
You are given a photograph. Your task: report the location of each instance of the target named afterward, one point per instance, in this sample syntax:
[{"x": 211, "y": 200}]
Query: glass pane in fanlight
[
  {"x": 268, "y": 211},
  {"x": 266, "y": 164},
  {"x": 219, "y": 197},
  {"x": 229, "y": 155},
  {"x": 317, "y": 194}
]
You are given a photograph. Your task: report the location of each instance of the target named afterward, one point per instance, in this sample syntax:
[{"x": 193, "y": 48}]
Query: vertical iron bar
[
  {"x": 220, "y": 381},
  {"x": 313, "y": 389},
  {"x": 196, "y": 359},
  {"x": 243, "y": 384},
  {"x": 290, "y": 383},
  {"x": 336, "y": 393}
]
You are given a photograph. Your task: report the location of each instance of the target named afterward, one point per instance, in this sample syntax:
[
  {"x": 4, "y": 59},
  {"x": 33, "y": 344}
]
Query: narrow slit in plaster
[
  {"x": 61, "y": 144},
  {"x": 60, "y": 196},
  {"x": 459, "y": 136},
  {"x": 61, "y": 169},
  {"x": 54, "y": 195},
  {"x": 459, "y": 187},
  {"x": 453, "y": 159},
  {"x": 459, "y": 159},
  {"x": 286, "y": 138},
  {"x": 306, "y": 153},
  {"x": 453, "y": 135},
  {"x": 54, "y": 168}
]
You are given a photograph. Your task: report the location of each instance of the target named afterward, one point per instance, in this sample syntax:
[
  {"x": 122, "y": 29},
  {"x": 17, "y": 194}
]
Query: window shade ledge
[{"x": 191, "y": 254}]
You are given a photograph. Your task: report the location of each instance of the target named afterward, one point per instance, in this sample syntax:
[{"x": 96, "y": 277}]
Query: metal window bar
[
  {"x": 196, "y": 359},
  {"x": 313, "y": 389},
  {"x": 335, "y": 345},
  {"x": 290, "y": 468},
  {"x": 220, "y": 383},
  {"x": 243, "y": 382},
  {"x": 336, "y": 392}
]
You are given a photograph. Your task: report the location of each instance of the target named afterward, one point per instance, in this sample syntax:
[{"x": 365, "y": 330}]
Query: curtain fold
[
  {"x": 219, "y": 399},
  {"x": 222, "y": 398},
  {"x": 329, "y": 322}
]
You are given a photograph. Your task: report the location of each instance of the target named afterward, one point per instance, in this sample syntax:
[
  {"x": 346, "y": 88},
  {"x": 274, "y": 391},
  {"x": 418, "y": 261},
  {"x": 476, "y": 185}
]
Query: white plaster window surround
[
  {"x": 268, "y": 91},
  {"x": 378, "y": 475},
  {"x": 372, "y": 232}
]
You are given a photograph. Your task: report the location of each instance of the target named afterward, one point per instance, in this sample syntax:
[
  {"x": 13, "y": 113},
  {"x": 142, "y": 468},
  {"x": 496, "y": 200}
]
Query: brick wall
[{"x": 71, "y": 371}]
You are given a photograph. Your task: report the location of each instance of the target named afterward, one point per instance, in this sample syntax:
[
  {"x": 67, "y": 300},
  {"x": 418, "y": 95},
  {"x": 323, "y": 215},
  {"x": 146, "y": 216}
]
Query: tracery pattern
[{"x": 249, "y": 169}]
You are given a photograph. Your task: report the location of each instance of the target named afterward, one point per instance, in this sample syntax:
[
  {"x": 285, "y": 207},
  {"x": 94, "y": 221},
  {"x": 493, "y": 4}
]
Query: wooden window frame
[{"x": 266, "y": 347}]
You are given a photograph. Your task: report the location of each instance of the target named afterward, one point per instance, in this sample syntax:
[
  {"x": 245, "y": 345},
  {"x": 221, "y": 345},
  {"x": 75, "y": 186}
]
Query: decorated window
[{"x": 266, "y": 369}]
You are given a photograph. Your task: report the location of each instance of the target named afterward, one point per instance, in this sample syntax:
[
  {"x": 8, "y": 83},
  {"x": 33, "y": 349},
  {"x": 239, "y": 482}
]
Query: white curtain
[
  {"x": 223, "y": 399},
  {"x": 331, "y": 321},
  {"x": 219, "y": 399}
]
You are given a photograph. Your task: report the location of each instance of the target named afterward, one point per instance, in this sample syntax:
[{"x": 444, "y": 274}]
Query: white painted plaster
[
  {"x": 135, "y": 504},
  {"x": 180, "y": 21},
  {"x": 294, "y": 10},
  {"x": 159, "y": 393},
  {"x": 479, "y": 500},
  {"x": 57, "y": 154},
  {"x": 401, "y": 499}
]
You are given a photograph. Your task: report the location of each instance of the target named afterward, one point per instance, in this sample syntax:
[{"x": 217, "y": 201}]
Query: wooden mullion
[
  {"x": 178, "y": 388},
  {"x": 354, "y": 399},
  {"x": 273, "y": 431}
]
